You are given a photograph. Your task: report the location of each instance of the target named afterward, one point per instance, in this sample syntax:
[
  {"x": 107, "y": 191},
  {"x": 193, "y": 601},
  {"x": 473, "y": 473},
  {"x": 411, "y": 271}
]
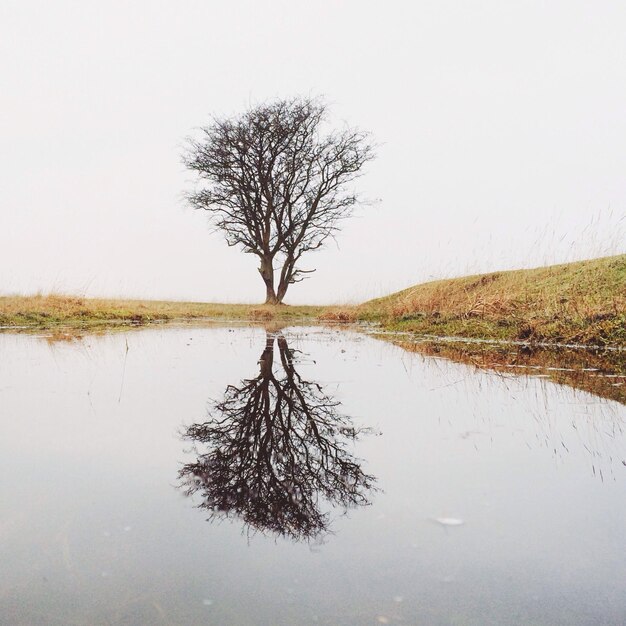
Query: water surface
[{"x": 301, "y": 476}]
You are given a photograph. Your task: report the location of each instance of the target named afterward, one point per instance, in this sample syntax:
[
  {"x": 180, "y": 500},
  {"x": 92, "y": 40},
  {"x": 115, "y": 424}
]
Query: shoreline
[{"x": 581, "y": 304}]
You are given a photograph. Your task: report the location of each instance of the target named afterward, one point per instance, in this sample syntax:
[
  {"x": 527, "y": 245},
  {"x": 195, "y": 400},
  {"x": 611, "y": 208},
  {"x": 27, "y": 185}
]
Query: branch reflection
[{"x": 276, "y": 452}]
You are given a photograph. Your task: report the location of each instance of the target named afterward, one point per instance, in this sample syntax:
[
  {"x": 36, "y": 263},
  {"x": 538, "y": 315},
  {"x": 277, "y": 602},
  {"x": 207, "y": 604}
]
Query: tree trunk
[
  {"x": 282, "y": 290},
  {"x": 267, "y": 274},
  {"x": 285, "y": 277}
]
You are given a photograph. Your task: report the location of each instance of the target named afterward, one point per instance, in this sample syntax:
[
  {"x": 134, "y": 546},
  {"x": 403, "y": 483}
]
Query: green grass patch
[{"x": 582, "y": 302}]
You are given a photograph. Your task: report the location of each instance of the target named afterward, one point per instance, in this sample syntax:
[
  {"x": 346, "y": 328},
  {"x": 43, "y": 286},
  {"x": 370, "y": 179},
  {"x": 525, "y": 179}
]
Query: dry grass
[
  {"x": 344, "y": 315},
  {"x": 45, "y": 311},
  {"x": 583, "y": 302}
]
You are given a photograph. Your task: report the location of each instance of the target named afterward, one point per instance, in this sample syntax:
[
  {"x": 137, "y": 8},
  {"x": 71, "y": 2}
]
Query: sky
[{"x": 501, "y": 133}]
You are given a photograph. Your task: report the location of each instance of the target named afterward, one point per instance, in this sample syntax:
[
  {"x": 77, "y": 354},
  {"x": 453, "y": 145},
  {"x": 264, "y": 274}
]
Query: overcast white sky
[{"x": 502, "y": 124}]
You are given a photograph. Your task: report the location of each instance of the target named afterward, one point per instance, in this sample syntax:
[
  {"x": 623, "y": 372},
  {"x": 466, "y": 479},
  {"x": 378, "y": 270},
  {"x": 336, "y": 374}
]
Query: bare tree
[
  {"x": 275, "y": 184},
  {"x": 275, "y": 452}
]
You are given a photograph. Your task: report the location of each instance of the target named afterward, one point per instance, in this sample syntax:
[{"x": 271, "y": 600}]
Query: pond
[{"x": 268, "y": 476}]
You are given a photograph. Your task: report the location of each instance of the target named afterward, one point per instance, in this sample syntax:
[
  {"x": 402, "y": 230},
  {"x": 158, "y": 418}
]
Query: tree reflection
[{"x": 275, "y": 450}]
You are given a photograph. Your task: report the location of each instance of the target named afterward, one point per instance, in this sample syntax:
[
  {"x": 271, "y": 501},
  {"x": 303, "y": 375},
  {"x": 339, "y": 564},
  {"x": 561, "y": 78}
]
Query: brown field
[{"x": 45, "y": 311}]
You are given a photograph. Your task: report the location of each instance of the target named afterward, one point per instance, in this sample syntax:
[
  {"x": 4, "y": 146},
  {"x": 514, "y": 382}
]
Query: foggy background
[{"x": 502, "y": 128}]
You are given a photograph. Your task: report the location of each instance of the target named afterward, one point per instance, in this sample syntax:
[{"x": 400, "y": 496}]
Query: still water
[{"x": 301, "y": 476}]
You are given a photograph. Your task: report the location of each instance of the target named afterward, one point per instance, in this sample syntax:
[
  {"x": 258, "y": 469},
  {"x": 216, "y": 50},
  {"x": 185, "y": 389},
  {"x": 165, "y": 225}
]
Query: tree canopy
[{"x": 276, "y": 184}]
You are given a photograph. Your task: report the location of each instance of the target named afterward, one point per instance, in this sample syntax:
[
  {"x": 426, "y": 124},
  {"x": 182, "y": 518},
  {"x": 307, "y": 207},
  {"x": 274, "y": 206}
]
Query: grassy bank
[
  {"x": 582, "y": 302},
  {"x": 47, "y": 311},
  {"x": 576, "y": 303}
]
